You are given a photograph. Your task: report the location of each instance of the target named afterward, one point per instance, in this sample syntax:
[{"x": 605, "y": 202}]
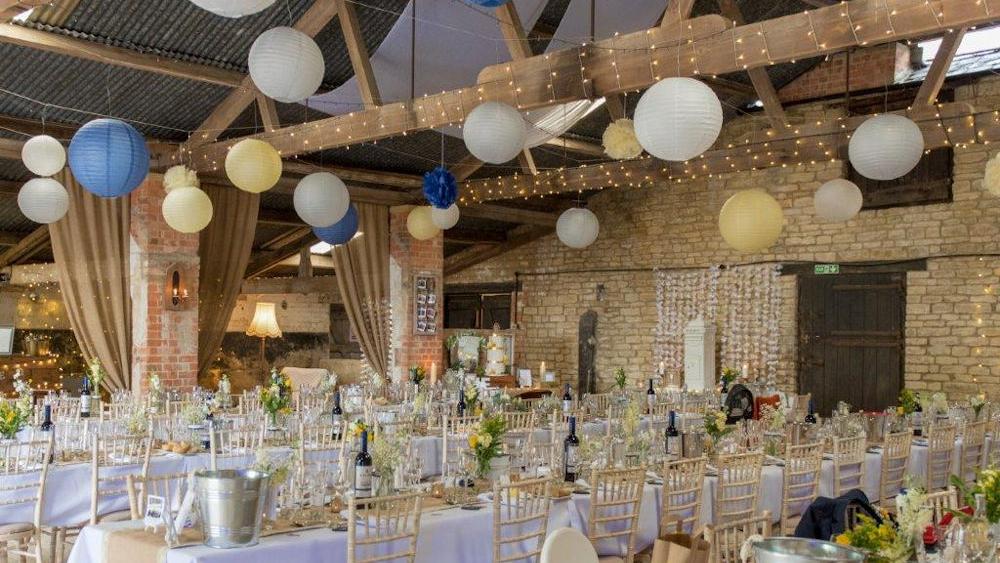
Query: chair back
[
  {"x": 973, "y": 450},
  {"x": 597, "y": 404},
  {"x": 738, "y": 491},
  {"x": 234, "y": 448},
  {"x": 568, "y": 545},
  {"x": 726, "y": 540},
  {"x": 455, "y": 440},
  {"x": 615, "y": 501},
  {"x": 801, "y": 483},
  {"x": 171, "y": 486},
  {"x": 388, "y": 530},
  {"x": 940, "y": 454},
  {"x": 849, "y": 463},
  {"x": 113, "y": 459},
  {"x": 520, "y": 520},
  {"x": 941, "y": 502},
  {"x": 683, "y": 482},
  {"x": 895, "y": 463},
  {"x": 16, "y": 461}
]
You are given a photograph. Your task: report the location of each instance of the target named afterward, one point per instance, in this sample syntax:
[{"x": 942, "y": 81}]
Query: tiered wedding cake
[{"x": 496, "y": 355}]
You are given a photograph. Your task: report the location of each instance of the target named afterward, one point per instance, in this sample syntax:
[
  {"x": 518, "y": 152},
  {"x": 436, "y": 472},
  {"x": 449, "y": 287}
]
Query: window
[{"x": 478, "y": 306}]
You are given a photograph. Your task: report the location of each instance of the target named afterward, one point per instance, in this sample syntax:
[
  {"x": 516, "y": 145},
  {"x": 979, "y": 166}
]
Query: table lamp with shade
[{"x": 264, "y": 324}]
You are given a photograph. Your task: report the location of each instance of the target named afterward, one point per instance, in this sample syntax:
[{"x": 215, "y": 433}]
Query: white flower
[{"x": 485, "y": 440}]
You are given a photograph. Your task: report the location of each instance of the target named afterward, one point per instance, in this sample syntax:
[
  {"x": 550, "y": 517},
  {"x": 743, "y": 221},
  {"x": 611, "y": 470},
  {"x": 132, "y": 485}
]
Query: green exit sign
[{"x": 824, "y": 269}]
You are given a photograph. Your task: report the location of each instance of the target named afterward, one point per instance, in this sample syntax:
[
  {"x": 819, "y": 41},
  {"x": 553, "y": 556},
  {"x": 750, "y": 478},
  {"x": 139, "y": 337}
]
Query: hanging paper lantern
[
  {"x": 991, "y": 178},
  {"x": 619, "y": 140},
  {"x": 253, "y": 166},
  {"x": 487, "y": 3},
  {"x": 494, "y": 132},
  {"x": 187, "y": 209},
  {"x": 108, "y": 157},
  {"x": 446, "y": 218},
  {"x": 886, "y": 147},
  {"x": 420, "y": 223},
  {"x": 321, "y": 199},
  {"x": 751, "y": 220},
  {"x": 440, "y": 187},
  {"x": 286, "y": 64},
  {"x": 233, "y": 8},
  {"x": 838, "y": 200},
  {"x": 342, "y": 231},
  {"x": 678, "y": 119},
  {"x": 43, "y": 155},
  {"x": 577, "y": 227},
  {"x": 43, "y": 200}
]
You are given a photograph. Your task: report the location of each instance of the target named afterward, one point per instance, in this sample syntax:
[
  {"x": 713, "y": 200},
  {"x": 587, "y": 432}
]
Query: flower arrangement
[
  {"x": 417, "y": 374},
  {"x": 277, "y": 466},
  {"x": 908, "y": 401},
  {"x": 359, "y": 426},
  {"x": 933, "y": 404},
  {"x": 774, "y": 418},
  {"x": 548, "y": 404},
  {"x": 843, "y": 407},
  {"x": 387, "y": 456},
  {"x": 12, "y": 420},
  {"x": 987, "y": 484},
  {"x": 486, "y": 442},
  {"x": 630, "y": 421},
  {"x": 728, "y": 376},
  {"x": 715, "y": 424},
  {"x": 277, "y": 397},
  {"x": 328, "y": 384},
  {"x": 621, "y": 379},
  {"x": 193, "y": 414},
  {"x": 25, "y": 396},
  {"x": 977, "y": 402},
  {"x": 155, "y": 384},
  {"x": 136, "y": 421},
  {"x": 887, "y": 541},
  {"x": 96, "y": 373}
]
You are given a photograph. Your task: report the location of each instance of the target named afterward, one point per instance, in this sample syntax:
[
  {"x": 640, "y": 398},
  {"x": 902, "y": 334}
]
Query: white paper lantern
[
  {"x": 286, "y": 64},
  {"x": 678, "y": 119},
  {"x": 187, "y": 209},
  {"x": 43, "y": 155},
  {"x": 43, "y": 200},
  {"x": 321, "y": 199},
  {"x": 445, "y": 218},
  {"x": 751, "y": 220},
  {"x": 577, "y": 227},
  {"x": 838, "y": 200},
  {"x": 233, "y": 8},
  {"x": 420, "y": 225},
  {"x": 494, "y": 132},
  {"x": 886, "y": 147}
]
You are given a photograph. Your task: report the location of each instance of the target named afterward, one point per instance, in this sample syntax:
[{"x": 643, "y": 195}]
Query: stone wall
[{"x": 674, "y": 225}]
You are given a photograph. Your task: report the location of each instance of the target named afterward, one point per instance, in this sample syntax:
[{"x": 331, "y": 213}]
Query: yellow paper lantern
[
  {"x": 751, "y": 220},
  {"x": 253, "y": 166},
  {"x": 187, "y": 209},
  {"x": 420, "y": 223}
]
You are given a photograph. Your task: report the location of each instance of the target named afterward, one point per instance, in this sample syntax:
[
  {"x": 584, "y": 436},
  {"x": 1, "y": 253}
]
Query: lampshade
[
  {"x": 108, "y": 157},
  {"x": 253, "y": 166},
  {"x": 838, "y": 200},
  {"x": 446, "y": 218},
  {"x": 43, "y": 155},
  {"x": 265, "y": 322},
  {"x": 286, "y": 64},
  {"x": 233, "y": 8},
  {"x": 43, "y": 200},
  {"x": 494, "y": 132},
  {"x": 187, "y": 209},
  {"x": 678, "y": 118},
  {"x": 420, "y": 223},
  {"x": 577, "y": 227},
  {"x": 886, "y": 147},
  {"x": 321, "y": 199},
  {"x": 751, "y": 220}
]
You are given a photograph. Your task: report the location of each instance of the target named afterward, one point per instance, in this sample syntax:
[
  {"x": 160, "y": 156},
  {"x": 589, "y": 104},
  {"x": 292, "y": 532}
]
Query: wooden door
[{"x": 851, "y": 339}]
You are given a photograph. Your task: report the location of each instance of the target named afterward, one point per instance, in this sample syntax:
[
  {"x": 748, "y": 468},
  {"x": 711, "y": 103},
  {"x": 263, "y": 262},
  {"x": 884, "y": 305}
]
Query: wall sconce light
[{"x": 177, "y": 292}]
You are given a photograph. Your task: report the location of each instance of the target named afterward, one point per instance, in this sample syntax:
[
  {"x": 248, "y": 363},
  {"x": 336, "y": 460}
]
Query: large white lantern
[
  {"x": 43, "y": 200},
  {"x": 838, "y": 200},
  {"x": 751, "y": 220},
  {"x": 233, "y": 8},
  {"x": 577, "y": 227},
  {"x": 286, "y": 64},
  {"x": 321, "y": 199},
  {"x": 43, "y": 155},
  {"x": 678, "y": 119},
  {"x": 445, "y": 218},
  {"x": 886, "y": 147},
  {"x": 187, "y": 209},
  {"x": 253, "y": 166},
  {"x": 494, "y": 132},
  {"x": 420, "y": 225}
]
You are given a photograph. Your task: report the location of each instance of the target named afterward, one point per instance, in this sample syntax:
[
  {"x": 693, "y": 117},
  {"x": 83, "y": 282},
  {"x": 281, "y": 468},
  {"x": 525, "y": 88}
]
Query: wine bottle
[
  {"x": 85, "y": 398},
  {"x": 674, "y": 446},
  {"x": 337, "y": 416},
  {"x": 48, "y": 428},
  {"x": 363, "y": 470},
  {"x": 570, "y": 445},
  {"x": 811, "y": 416},
  {"x": 567, "y": 400},
  {"x": 917, "y": 419},
  {"x": 650, "y": 397},
  {"x": 461, "y": 402},
  {"x": 206, "y": 434},
  {"x": 724, "y": 392}
]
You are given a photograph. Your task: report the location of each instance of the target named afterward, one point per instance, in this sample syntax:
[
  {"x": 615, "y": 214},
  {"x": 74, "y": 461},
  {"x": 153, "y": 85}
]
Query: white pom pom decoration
[
  {"x": 838, "y": 200},
  {"x": 286, "y": 64},
  {"x": 180, "y": 176},
  {"x": 619, "y": 140},
  {"x": 43, "y": 200},
  {"x": 43, "y": 155},
  {"x": 445, "y": 218},
  {"x": 187, "y": 209},
  {"x": 494, "y": 132},
  {"x": 678, "y": 119},
  {"x": 321, "y": 199},
  {"x": 886, "y": 147},
  {"x": 577, "y": 227}
]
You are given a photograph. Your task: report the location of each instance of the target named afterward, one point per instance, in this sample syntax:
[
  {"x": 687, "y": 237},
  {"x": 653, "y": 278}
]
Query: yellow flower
[
  {"x": 900, "y": 411},
  {"x": 473, "y": 440},
  {"x": 842, "y": 539}
]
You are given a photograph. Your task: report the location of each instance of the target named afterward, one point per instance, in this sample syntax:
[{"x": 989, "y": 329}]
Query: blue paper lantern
[
  {"x": 440, "y": 188},
  {"x": 108, "y": 157},
  {"x": 341, "y": 231},
  {"x": 487, "y": 3}
]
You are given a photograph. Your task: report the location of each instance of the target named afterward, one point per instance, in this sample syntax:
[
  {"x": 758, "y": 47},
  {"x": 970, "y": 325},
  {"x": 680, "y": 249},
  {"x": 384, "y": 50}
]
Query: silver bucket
[
  {"x": 232, "y": 503},
  {"x": 798, "y": 550}
]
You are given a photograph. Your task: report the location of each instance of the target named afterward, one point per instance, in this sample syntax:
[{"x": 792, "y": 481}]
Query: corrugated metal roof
[{"x": 966, "y": 63}]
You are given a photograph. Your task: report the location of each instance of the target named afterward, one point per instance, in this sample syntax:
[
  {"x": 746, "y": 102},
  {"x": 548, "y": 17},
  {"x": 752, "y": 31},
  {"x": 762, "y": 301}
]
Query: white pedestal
[{"x": 699, "y": 355}]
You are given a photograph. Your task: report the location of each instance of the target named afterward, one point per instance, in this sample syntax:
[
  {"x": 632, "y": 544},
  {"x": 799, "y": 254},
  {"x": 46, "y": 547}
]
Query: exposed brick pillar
[
  {"x": 164, "y": 336},
  {"x": 408, "y": 258}
]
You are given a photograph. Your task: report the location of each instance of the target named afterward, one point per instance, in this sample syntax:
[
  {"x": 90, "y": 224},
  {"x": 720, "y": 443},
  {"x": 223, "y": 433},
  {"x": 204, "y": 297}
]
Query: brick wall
[
  {"x": 874, "y": 67},
  {"x": 676, "y": 225}
]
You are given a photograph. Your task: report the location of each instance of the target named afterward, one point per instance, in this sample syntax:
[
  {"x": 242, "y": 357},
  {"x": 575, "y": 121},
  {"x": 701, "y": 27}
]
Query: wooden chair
[
  {"x": 941, "y": 502},
  {"x": 519, "y": 421},
  {"x": 683, "y": 482},
  {"x": 725, "y": 540},
  {"x": 389, "y": 531},
  {"x": 18, "y": 462},
  {"x": 110, "y": 454},
  {"x": 849, "y": 464},
  {"x": 973, "y": 446},
  {"x": 171, "y": 486},
  {"x": 520, "y": 520},
  {"x": 738, "y": 491},
  {"x": 940, "y": 454},
  {"x": 234, "y": 448},
  {"x": 597, "y": 404},
  {"x": 615, "y": 501},
  {"x": 801, "y": 483},
  {"x": 895, "y": 462}
]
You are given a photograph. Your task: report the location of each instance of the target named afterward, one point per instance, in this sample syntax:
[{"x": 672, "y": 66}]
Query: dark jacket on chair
[{"x": 827, "y": 517}]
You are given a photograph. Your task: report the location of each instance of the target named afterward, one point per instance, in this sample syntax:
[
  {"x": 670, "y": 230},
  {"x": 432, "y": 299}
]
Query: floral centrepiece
[
  {"x": 96, "y": 373},
  {"x": 12, "y": 420},
  {"x": 486, "y": 442},
  {"x": 977, "y": 402},
  {"x": 908, "y": 401},
  {"x": 276, "y": 398},
  {"x": 728, "y": 376},
  {"x": 987, "y": 484}
]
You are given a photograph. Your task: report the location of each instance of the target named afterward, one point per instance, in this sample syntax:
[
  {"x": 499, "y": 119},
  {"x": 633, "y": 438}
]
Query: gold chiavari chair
[
  {"x": 895, "y": 462},
  {"x": 520, "y": 519},
  {"x": 110, "y": 454},
  {"x": 800, "y": 484},
  {"x": 738, "y": 491},
  {"x": 17, "y": 462},
  {"x": 171, "y": 486},
  {"x": 940, "y": 454},
  {"x": 941, "y": 502},
  {"x": 683, "y": 482},
  {"x": 849, "y": 463},
  {"x": 519, "y": 438},
  {"x": 388, "y": 530},
  {"x": 726, "y": 540},
  {"x": 597, "y": 404},
  {"x": 615, "y": 501},
  {"x": 973, "y": 446}
]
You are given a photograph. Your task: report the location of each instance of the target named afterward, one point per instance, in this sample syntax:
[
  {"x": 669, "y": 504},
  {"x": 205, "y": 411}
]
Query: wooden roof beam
[
  {"x": 479, "y": 253},
  {"x": 519, "y": 48},
  {"x": 676, "y": 11},
  {"x": 931, "y": 86},
  {"x": 758, "y": 75},
  {"x": 263, "y": 261},
  {"x": 360, "y": 60},
  {"x": 26, "y": 247}
]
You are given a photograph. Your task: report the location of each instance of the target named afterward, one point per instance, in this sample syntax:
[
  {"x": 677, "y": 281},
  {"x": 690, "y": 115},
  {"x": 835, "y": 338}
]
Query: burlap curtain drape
[
  {"x": 224, "y": 249},
  {"x": 91, "y": 249},
  {"x": 362, "y": 267}
]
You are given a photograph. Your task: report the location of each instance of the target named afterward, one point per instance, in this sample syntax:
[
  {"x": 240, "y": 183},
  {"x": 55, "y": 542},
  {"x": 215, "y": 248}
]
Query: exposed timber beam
[
  {"x": 676, "y": 11},
  {"x": 8, "y": 238},
  {"x": 358, "y": 52},
  {"x": 9, "y": 187},
  {"x": 466, "y": 167},
  {"x": 519, "y": 48},
  {"x": 615, "y": 104},
  {"x": 348, "y": 174},
  {"x": 27, "y": 247},
  {"x": 10, "y": 149},
  {"x": 510, "y": 214},
  {"x": 268, "y": 111},
  {"x": 707, "y": 45},
  {"x": 263, "y": 261},
  {"x": 573, "y": 145},
  {"x": 928, "y": 92},
  {"x": 479, "y": 253},
  {"x": 819, "y": 3}
]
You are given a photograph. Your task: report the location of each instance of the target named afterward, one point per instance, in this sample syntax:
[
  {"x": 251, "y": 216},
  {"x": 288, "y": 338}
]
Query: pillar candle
[{"x": 434, "y": 373}]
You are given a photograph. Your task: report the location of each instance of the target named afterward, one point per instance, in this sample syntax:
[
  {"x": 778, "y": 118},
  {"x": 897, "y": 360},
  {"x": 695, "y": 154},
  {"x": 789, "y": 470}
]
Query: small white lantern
[
  {"x": 321, "y": 199},
  {"x": 838, "y": 200},
  {"x": 43, "y": 155},
  {"x": 286, "y": 64},
  {"x": 886, "y": 147},
  {"x": 187, "y": 209},
  {"x": 43, "y": 200},
  {"x": 233, "y": 8},
  {"x": 678, "y": 119},
  {"x": 445, "y": 218},
  {"x": 494, "y": 132},
  {"x": 577, "y": 227}
]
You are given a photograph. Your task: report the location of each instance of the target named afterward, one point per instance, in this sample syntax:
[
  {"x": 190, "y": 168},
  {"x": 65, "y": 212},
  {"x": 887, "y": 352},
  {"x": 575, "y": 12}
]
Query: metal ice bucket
[
  {"x": 232, "y": 503},
  {"x": 798, "y": 550}
]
